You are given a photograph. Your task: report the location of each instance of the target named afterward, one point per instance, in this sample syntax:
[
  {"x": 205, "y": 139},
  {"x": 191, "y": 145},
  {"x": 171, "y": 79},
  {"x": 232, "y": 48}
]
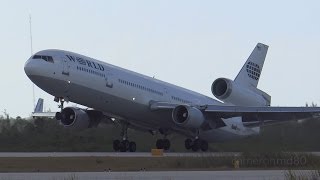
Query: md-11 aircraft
[{"x": 136, "y": 101}]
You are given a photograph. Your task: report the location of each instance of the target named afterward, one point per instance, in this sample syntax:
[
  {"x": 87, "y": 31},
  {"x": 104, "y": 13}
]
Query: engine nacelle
[
  {"x": 228, "y": 91},
  {"x": 187, "y": 116},
  {"x": 73, "y": 118}
]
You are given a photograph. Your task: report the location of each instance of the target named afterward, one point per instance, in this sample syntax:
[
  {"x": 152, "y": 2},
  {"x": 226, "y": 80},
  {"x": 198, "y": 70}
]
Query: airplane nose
[
  {"x": 32, "y": 67},
  {"x": 28, "y": 68}
]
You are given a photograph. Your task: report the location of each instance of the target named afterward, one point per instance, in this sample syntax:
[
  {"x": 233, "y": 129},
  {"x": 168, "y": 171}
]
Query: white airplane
[
  {"x": 145, "y": 103},
  {"x": 38, "y": 110}
]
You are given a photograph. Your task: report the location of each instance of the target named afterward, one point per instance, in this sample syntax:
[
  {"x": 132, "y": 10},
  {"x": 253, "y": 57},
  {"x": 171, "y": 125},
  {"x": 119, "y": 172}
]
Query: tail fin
[
  {"x": 39, "y": 106},
  {"x": 251, "y": 70}
]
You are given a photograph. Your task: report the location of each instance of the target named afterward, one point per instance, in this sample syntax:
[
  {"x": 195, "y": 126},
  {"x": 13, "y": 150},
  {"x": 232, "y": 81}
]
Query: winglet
[{"x": 250, "y": 73}]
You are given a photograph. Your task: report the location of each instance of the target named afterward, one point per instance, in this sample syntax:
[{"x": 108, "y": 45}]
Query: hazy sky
[{"x": 188, "y": 43}]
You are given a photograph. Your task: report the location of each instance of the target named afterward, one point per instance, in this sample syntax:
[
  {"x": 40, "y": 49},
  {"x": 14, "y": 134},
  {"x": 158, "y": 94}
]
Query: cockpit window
[
  {"x": 50, "y": 59},
  {"x": 46, "y": 58},
  {"x": 36, "y": 57}
]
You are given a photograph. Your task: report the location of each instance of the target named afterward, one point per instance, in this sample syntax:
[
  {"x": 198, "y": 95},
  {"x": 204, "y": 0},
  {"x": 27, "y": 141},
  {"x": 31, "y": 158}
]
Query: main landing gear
[
  {"x": 196, "y": 145},
  {"x": 124, "y": 145},
  {"x": 163, "y": 144}
]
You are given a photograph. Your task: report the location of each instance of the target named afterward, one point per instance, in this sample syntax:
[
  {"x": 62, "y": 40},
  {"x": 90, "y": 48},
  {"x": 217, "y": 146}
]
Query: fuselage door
[
  {"x": 66, "y": 66},
  {"x": 166, "y": 95},
  {"x": 109, "y": 79},
  {"x": 65, "y": 75}
]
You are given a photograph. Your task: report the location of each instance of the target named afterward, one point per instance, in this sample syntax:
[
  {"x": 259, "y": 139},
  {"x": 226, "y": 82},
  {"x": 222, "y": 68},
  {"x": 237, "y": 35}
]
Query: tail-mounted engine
[{"x": 229, "y": 91}]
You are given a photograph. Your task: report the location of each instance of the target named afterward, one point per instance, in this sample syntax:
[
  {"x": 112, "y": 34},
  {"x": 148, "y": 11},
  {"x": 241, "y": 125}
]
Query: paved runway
[
  {"x": 112, "y": 154},
  {"x": 119, "y": 154},
  {"x": 172, "y": 175}
]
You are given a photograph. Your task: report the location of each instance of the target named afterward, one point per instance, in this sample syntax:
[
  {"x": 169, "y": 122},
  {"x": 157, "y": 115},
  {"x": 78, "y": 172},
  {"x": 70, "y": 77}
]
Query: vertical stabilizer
[
  {"x": 250, "y": 73},
  {"x": 39, "y": 106}
]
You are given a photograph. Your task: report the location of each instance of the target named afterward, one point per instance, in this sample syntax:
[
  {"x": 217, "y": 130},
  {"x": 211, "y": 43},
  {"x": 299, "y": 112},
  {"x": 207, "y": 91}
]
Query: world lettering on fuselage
[{"x": 86, "y": 62}]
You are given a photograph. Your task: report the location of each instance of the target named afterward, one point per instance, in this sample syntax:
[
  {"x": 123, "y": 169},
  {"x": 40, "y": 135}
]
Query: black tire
[
  {"x": 116, "y": 145},
  {"x": 188, "y": 144},
  {"x": 196, "y": 145},
  {"x": 58, "y": 116},
  {"x": 166, "y": 144},
  {"x": 204, "y": 146},
  {"x": 132, "y": 146},
  {"x": 124, "y": 146},
  {"x": 159, "y": 144}
]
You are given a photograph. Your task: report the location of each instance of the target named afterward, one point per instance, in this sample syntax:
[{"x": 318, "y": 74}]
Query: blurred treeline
[{"x": 43, "y": 134}]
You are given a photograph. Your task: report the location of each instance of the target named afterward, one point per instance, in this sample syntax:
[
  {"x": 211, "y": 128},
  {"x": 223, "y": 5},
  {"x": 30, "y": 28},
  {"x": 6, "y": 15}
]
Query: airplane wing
[
  {"x": 251, "y": 116},
  {"x": 265, "y": 112},
  {"x": 257, "y": 116}
]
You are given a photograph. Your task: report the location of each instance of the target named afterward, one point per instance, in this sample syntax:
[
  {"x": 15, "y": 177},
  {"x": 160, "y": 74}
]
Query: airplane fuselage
[{"x": 120, "y": 93}]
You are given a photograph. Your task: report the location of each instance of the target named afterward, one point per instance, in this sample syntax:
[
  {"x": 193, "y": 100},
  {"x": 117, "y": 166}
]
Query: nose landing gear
[{"x": 61, "y": 100}]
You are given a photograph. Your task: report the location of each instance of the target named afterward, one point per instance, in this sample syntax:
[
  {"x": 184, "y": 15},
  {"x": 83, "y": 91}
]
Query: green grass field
[{"x": 43, "y": 135}]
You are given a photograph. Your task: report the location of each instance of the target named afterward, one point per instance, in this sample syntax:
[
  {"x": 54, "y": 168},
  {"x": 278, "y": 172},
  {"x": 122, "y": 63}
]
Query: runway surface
[
  {"x": 162, "y": 175},
  {"x": 112, "y": 154},
  {"x": 121, "y": 154}
]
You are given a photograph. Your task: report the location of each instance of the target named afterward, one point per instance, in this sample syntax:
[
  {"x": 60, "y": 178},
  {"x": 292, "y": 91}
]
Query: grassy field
[{"x": 46, "y": 135}]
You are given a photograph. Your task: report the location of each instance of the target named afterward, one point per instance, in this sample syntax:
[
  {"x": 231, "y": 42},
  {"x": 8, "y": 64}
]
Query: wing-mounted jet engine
[
  {"x": 188, "y": 116},
  {"x": 72, "y": 117}
]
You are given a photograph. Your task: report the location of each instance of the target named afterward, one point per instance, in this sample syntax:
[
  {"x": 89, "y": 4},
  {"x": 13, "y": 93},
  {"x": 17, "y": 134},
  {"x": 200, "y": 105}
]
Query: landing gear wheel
[
  {"x": 58, "y": 116},
  {"x": 61, "y": 100},
  {"x": 204, "y": 145},
  {"x": 159, "y": 144},
  {"x": 132, "y": 146},
  {"x": 163, "y": 144},
  {"x": 166, "y": 144},
  {"x": 188, "y": 144},
  {"x": 116, "y": 145},
  {"x": 196, "y": 145},
  {"x": 124, "y": 146}
]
